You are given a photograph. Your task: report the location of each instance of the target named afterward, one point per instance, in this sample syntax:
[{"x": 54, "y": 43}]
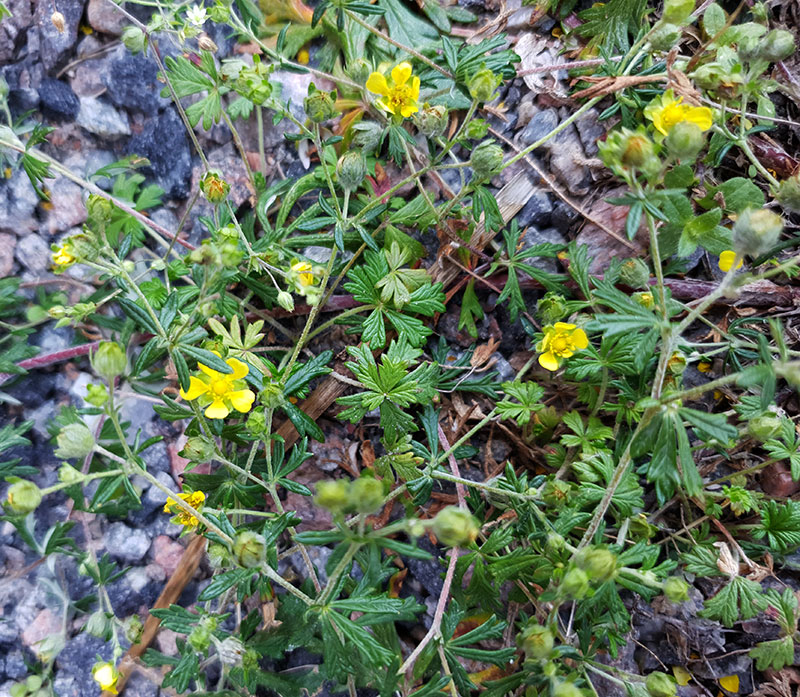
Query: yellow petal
[
  {"x": 208, "y": 371},
  {"x": 242, "y": 400},
  {"x": 700, "y": 116},
  {"x": 682, "y": 676},
  {"x": 415, "y": 87},
  {"x": 563, "y": 327},
  {"x": 408, "y": 109},
  {"x": 730, "y": 683},
  {"x": 386, "y": 106},
  {"x": 239, "y": 369},
  {"x": 548, "y": 361},
  {"x": 727, "y": 259},
  {"x": 217, "y": 410},
  {"x": 196, "y": 388},
  {"x": 376, "y": 83},
  {"x": 579, "y": 339},
  {"x": 401, "y": 73}
]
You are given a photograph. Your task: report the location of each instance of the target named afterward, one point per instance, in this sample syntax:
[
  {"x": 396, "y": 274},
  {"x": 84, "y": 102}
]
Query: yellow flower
[
  {"x": 399, "y": 96},
  {"x": 221, "y": 391},
  {"x": 665, "y": 111},
  {"x": 106, "y": 675},
  {"x": 727, "y": 259},
  {"x": 304, "y": 273},
  {"x": 62, "y": 256},
  {"x": 195, "y": 500},
  {"x": 560, "y": 341}
]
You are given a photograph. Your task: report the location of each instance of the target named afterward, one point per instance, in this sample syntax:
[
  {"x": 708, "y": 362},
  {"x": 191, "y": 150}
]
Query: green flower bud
[
  {"x": 719, "y": 80},
  {"x": 477, "y": 129},
  {"x": 599, "y": 563},
  {"x": 200, "y": 638},
  {"x": 100, "y": 210},
  {"x": 134, "y": 39},
  {"x": 214, "y": 187},
  {"x": 230, "y": 651},
  {"x": 537, "y": 642},
  {"x": 483, "y": 84},
  {"x": 109, "y": 361},
  {"x": 366, "y": 495},
  {"x": 219, "y": 13},
  {"x": 132, "y": 626},
  {"x": 96, "y": 395},
  {"x": 685, "y": 140},
  {"x": 431, "y": 121},
  {"x": 455, "y": 527},
  {"x": 320, "y": 106},
  {"x": 567, "y": 689},
  {"x": 551, "y": 307},
  {"x": 285, "y": 300},
  {"x": 351, "y": 170},
  {"x": 556, "y": 492},
  {"x": 660, "y": 685},
  {"x": 634, "y": 273},
  {"x": 665, "y": 36},
  {"x": 645, "y": 299},
  {"x": 218, "y": 556},
  {"x": 68, "y": 474},
  {"x": 764, "y": 427},
  {"x": 359, "y": 70},
  {"x": 23, "y": 497},
  {"x": 677, "y": 363},
  {"x": 198, "y": 449},
  {"x": 637, "y": 151},
  {"x": 271, "y": 396},
  {"x": 756, "y": 231},
  {"x": 788, "y": 195},
  {"x": 676, "y": 590},
  {"x": 250, "y": 549},
  {"x": 555, "y": 542},
  {"x": 74, "y": 440},
  {"x": 250, "y": 660},
  {"x": 487, "y": 159},
  {"x": 333, "y": 495},
  {"x": 368, "y": 136},
  {"x": 776, "y": 46},
  {"x": 677, "y": 11},
  {"x": 98, "y": 625},
  {"x": 575, "y": 583}
]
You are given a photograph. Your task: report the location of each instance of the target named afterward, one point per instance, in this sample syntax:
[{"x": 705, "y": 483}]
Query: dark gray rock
[
  {"x": 56, "y": 44},
  {"x": 537, "y": 211},
  {"x": 139, "y": 685},
  {"x": 563, "y": 216},
  {"x": 429, "y": 572},
  {"x": 74, "y": 664},
  {"x": 100, "y": 118},
  {"x": 18, "y": 202},
  {"x": 590, "y": 130},
  {"x": 534, "y": 236},
  {"x": 15, "y": 665},
  {"x": 164, "y": 142},
  {"x": 13, "y": 29},
  {"x": 541, "y": 123},
  {"x": 126, "y": 543},
  {"x": 58, "y": 101},
  {"x": 22, "y": 100},
  {"x": 132, "y": 83},
  {"x": 34, "y": 254}
]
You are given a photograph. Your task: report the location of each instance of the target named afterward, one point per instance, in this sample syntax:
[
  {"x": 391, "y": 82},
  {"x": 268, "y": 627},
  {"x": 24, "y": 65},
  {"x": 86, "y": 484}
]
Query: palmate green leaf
[
  {"x": 781, "y": 526},
  {"x": 184, "y": 672},
  {"x": 611, "y": 24},
  {"x": 773, "y": 654},
  {"x": 186, "y": 78},
  {"x": 788, "y": 448},
  {"x": 741, "y": 598},
  {"x": 357, "y": 638}
]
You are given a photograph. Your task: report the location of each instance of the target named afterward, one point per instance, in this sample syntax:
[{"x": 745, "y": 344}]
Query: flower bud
[
  {"x": 198, "y": 449},
  {"x": 134, "y": 39},
  {"x": 109, "y": 361},
  {"x": 637, "y": 151},
  {"x": 645, "y": 299},
  {"x": 567, "y": 689},
  {"x": 366, "y": 495},
  {"x": 455, "y": 527},
  {"x": 555, "y": 542},
  {"x": 23, "y": 497},
  {"x": 575, "y": 583},
  {"x": 788, "y": 194},
  {"x": 250, "y": 549},
  {"x": 199, "y": 638},
  {"x": 634, "y": 273},
  {"x": 431, "y": 121},
  {"x": 74, "y": 440},
  {"x": 96, "y": 395},
  {"x": 98, "y": 625},
  {"x": 68, "y": 474},
  {"x": 719, "y": 80},
  {"x": 219, "y": 13},
  {"x": 660, "y": 685},
  {"x": 556, "y": 492},
  {"x": 319, "y": 106},
  {"x": 231, "y": 651},
  {"x": 206, "y": 43},
  {"x": 368, "y": 136},
  {"x": 476, "y": 129},
  {"x": 214, "y": 187},
  {"x": 487, "y": 159},
  {"x": 756, "y": 231},
  {"x": 351, "y": 170},
  {"x": 537, "y": 642},
  {"x": 764, "y": 427},
  {"x": 482, "y": 85},
  {"x": 285, "y": 300},
  {"x": 676, "y": 590},
  {"x": 599, "y": 563},
  {"x": 218, "y": 556},
  {"x": 677, "y": 11},
  {"x": 776, "y": 46},
  {"x": 677, "y": 363},
  {"x": 665, "y": 35},
  {"x": 59, "y": 21},
  {"x": 99, "y": 210},
  {"x": 333, "y": 495},
  {"x": 685, "y": 140},
  {"x": 551, "y": 307}
]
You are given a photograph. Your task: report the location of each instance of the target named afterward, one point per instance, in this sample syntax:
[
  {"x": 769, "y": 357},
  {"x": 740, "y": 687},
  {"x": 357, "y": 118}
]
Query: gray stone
[
  {"x": 126, "y": 543},
  {"x": 34, "y": 254},
  {"x": 541, "y": 123},
  {"x": 132, "y": 82},
  {"x": 18, "y": 202},
  {"x": 105, "y": 18},
  {"x": 56, "y": 44},
  {"x": 164, "y": 142},
  {"x": 74, "y": 665},
  {"x": 7, "y": 244},
  {"x": 68, "y": 209},
  {"x": 536, "y": 211},
  {"x": 139, "y": 685},
  {"x": 58, "y": 101},
  {"x": 15, "y": 665},
  {"x": 102, "y": 119},
  {"x": 590, "y": 130},
  {"x": 534, "y": 236},
  {"x": 14, "y": 28}
]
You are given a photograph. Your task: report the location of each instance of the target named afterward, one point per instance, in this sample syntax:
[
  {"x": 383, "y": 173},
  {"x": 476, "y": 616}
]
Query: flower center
[
  {"x": 220, "y": 387},
  {"x": 400, "y": 95},
  {"x": 559, "y": 344},
  {"x": 673, "y": 114}
]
